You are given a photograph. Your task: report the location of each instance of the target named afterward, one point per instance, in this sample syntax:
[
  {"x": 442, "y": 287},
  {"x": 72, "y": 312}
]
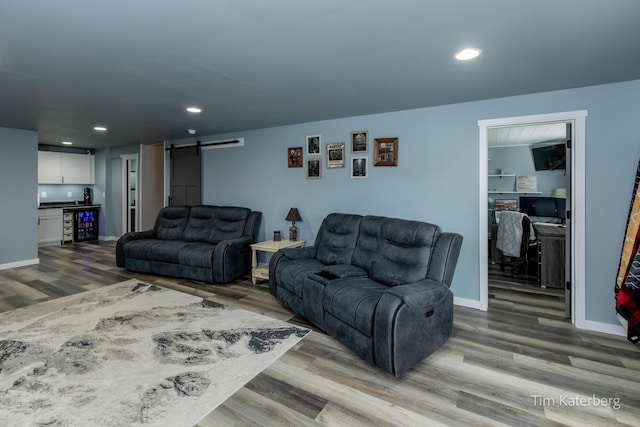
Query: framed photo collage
[{"x": 385, "y": 153}]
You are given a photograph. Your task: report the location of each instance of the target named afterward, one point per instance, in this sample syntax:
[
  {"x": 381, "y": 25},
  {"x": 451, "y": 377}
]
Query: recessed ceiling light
[
  {"x": 191, "y": 131},
  {"x": 467, "y": 54},
  {"x": 194, "y": 109},
  {"x": 67, "y": 143},
  {"x": 100, "y": 128}
]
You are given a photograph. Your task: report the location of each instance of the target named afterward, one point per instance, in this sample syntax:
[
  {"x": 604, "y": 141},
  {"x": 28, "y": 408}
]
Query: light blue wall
[
  {"x": 100, "y": 188},
  {"x": 437, "y": 176},
  {"x": 59, "y": 192},
  {"x": 519, "y": 161},
  {"x": 109, "y": 181},
  {"x": 18, "y": 190}
]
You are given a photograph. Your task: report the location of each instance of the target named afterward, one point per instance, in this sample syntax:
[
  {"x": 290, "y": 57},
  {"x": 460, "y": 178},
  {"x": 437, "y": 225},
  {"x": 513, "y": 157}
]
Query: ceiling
[
  {"x": 510, "y": 136},
  {"x": 133, "y": 66}
]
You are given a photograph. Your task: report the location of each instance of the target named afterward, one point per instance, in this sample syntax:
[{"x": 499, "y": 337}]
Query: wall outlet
[
  {"x": 69, "y": 194},
  {"x": 44, "y": 194}
]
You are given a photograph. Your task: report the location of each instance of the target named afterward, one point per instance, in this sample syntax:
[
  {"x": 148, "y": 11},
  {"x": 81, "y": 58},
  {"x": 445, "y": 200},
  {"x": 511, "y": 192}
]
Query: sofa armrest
[
  {"x": 444, "y": 258},
  {"x": 231, "y": 259},
  {"x": 411, "y": 321},
  {"x": 235, "y": 242},
  {"x": 306, "y": 252},
  {"x": 420, "y": 294},
  {"x": 148, "y": 234}
]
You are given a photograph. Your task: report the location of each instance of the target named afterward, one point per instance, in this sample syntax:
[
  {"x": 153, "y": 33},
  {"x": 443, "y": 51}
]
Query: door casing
[{"x": 577, "y": 203}]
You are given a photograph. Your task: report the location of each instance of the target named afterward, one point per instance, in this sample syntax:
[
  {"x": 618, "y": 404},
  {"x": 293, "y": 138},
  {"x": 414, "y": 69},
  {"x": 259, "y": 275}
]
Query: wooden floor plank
[{"x": 487, "y": 374}]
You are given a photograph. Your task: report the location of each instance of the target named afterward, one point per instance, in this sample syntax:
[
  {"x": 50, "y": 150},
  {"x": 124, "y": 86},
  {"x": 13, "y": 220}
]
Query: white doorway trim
[
  {"x": 126, "y": 208},
  {"x": 578, "y": 262}
]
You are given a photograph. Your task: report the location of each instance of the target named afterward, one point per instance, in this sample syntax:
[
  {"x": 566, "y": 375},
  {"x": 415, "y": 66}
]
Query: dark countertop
[{"x": 66, "y": 205}]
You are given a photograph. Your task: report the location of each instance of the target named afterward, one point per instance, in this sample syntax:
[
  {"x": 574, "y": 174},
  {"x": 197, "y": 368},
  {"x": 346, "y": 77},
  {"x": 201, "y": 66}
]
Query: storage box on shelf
[{"x": 67, "y": 227}]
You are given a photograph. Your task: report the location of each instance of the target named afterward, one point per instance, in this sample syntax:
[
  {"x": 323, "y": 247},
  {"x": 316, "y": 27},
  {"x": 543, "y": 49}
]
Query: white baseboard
[
  {"x": 19, "y": 263},
  {"x": 607, "y": 328},
  {"x": 108, "y": 238},
  {"x": 464, "y": 302},
  {"x": 589, "y": 325}
]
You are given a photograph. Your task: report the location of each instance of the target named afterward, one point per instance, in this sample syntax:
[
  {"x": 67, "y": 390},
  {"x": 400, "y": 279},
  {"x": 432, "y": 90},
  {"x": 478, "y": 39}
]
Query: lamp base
[{"x": 293, "y": 232}]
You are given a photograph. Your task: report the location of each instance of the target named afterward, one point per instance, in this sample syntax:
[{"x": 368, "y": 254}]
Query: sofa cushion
[
  {"x": 368, "y": 243},
  {"x": 228, "y": 223},
  {"x": 353, "y": 301},
  {"x": 404, "y": 251},
  {"x": 171, "y": 221},
  {"x": 337, "y": 238},
  {"x": 154, "y": 250},
  {"x": 196, "y": 254},
  {"x": 200, "y": 223}
]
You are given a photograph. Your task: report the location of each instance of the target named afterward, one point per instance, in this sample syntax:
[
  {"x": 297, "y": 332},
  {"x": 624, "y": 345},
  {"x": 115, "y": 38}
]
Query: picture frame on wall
[
  {"x": 385, "y": 152},
  {"x": 335, "y": 155},
  {"x": 360, "y": 141},
  {"x": 294, "y": 157},
  {"x": 359, "y": 167},
  {"x": 314, "y": 168},
  {"x": 313, "y": 145}
]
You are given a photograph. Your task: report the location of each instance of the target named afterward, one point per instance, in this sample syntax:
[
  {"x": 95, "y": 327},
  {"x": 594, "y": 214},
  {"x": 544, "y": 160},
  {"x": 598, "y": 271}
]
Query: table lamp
[{"x": 293, "y": 216}]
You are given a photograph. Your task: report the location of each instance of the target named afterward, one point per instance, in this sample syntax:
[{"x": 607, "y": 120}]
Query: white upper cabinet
[
  {"x": 65, "y": 168},
  {"x": 49, "y": 168},
  {"x": 77, "y": 168}
]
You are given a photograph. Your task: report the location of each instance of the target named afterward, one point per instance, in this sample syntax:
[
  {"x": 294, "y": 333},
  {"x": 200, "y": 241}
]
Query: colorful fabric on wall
[
  {"x": 627, "y": 289},
  {"x": 628, "y": 306}
]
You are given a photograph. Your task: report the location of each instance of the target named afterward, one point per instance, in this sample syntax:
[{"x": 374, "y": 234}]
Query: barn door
[{"x": 184, "y": 176}]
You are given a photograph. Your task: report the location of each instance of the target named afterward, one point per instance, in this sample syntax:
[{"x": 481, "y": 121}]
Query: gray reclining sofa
[
  {"x": 378, "y": 285},
  {"x": 206, "y": 243}
]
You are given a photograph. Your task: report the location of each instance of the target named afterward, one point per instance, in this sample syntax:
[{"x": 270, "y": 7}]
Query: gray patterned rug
[{"x": 130, "y": 354}]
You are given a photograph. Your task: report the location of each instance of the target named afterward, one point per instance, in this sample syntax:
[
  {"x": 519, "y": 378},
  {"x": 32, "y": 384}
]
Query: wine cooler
[{"x": 86, "y": 224}]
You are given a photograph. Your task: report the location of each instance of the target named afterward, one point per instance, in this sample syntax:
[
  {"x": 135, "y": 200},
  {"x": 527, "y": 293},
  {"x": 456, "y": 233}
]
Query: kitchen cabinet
[
  {"x": 65, "y": 168},
  {"x": 49, "y": 227},
  {"x": 49, "y": 168}
]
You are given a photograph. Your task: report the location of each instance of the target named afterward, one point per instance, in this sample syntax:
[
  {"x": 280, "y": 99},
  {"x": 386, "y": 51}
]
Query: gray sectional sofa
[
  {"x": 206, "y": 243},
  {"x": 378, "y": 285}
]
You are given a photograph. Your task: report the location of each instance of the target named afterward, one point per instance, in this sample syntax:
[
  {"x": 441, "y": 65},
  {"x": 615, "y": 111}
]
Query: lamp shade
[
  {"x": 560, "y": 193},
  {"x": 293, "y": 215}
]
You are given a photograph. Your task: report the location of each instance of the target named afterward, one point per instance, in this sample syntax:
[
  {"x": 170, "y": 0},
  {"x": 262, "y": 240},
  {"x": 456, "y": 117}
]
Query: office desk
[{"x": 551, "y": 255}]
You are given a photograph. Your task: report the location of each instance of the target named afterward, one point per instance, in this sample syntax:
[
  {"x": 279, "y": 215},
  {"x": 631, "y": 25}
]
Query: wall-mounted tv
[{"x": 549, "y": 157}]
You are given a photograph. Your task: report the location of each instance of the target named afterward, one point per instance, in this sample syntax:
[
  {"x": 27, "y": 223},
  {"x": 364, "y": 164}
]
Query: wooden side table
[{"x": 262, "y": 271}]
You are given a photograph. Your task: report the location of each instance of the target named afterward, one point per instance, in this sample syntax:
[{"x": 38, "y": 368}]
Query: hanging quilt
[{"x": 627, "y": 289}]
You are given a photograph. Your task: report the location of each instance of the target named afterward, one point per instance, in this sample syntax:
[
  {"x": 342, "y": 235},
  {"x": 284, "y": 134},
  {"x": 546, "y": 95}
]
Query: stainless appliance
[{"x": 87, "y": 196}]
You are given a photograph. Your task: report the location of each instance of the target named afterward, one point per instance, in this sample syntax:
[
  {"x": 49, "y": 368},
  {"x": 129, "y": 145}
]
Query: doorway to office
[{"x": 575, "y": 196}]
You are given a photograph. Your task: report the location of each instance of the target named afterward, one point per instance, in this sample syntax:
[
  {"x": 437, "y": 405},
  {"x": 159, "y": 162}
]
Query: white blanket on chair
[{"x": 510, "y": 233}]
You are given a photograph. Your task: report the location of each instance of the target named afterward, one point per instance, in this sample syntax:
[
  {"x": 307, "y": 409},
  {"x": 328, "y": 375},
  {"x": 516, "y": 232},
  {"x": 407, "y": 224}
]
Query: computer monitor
[{"x": 539, "y": 206}]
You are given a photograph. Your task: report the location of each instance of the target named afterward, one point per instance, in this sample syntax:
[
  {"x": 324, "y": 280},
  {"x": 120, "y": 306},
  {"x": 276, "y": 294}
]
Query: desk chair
[{"x": 515, "y": 242}]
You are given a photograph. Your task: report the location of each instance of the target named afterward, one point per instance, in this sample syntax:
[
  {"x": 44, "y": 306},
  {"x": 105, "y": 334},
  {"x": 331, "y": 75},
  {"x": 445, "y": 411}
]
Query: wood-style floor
[{"x": 521, "y": 363}]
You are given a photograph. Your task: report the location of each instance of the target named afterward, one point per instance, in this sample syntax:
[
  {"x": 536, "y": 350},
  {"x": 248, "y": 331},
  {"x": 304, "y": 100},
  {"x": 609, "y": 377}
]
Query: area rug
[{"x": 130, "y": 354}]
